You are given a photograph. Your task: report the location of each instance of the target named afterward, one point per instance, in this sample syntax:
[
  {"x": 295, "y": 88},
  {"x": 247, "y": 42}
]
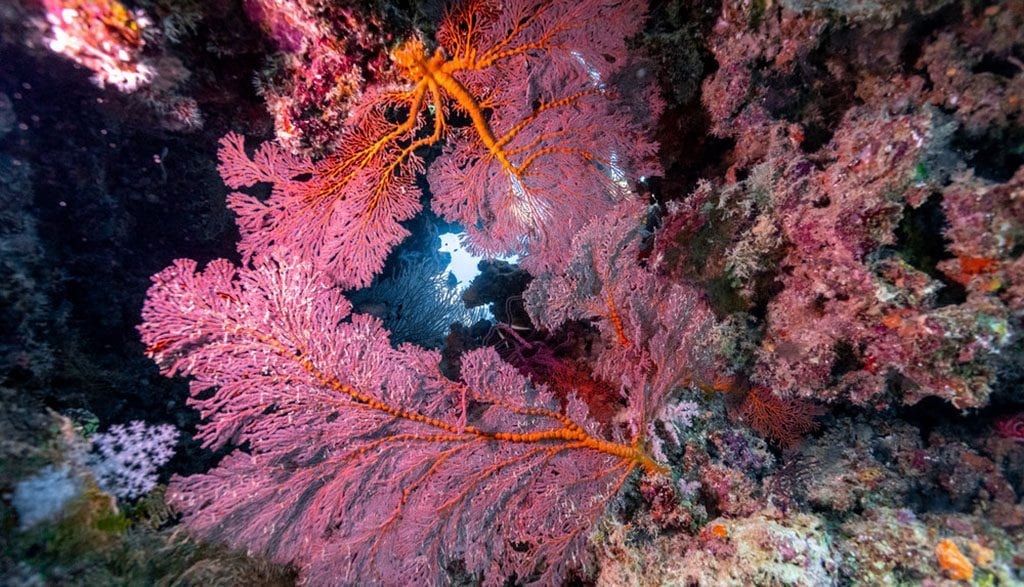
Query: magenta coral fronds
[
  {"x": 1012, "y": 427},
  {"x": 546, "y": 146},
  {"x": 363, "y": 462}
]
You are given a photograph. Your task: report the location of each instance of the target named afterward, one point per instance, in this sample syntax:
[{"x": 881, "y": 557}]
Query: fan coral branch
[
  {"x": 364, "y": 461},
  {"x": 531, "y": 78},
  {"x": 785, "y": 421},
  {"x": 669, "y": 322}
]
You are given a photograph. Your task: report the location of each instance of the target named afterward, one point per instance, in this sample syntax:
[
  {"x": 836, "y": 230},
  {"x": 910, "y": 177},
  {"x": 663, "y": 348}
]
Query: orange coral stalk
[
  {"x": 569, "y": 435},
  {"x": 613, "y": 315}
]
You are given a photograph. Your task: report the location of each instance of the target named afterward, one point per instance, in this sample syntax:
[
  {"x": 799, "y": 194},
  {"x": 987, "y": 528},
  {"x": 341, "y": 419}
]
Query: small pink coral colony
[
  {"x": 362, "y": 462},
  {"x": 125, "y": 49},
  {"x": 1012, "y": 427},
  {"x": 103, "y": 36}
]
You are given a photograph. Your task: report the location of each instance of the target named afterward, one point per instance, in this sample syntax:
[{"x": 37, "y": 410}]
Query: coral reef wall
[{"x": 762, "y": 324}]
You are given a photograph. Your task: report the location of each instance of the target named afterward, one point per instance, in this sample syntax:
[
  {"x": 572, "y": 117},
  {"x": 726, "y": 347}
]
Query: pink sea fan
[
  {"x": 350, "y": 235},
  {"x": 364, "y": 464},
  {"x": 600, "y": 273},
  {"x": 568, "y": 142},
  {"x": 655, "y": 332},
  {"x": 549, "y": 143}
]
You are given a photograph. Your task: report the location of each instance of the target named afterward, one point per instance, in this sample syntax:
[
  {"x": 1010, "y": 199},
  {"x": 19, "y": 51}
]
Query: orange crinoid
[{"x": 528, "y": 100}]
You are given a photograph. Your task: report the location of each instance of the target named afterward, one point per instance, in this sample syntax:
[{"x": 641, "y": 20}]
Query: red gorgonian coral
[
  {"x": 783, "y": 420},
  {"x": 546, "y": 136}
]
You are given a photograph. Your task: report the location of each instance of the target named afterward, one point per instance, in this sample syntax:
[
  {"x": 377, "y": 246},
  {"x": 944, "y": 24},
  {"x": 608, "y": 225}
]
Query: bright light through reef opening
[{"x": 463, "y": 264}]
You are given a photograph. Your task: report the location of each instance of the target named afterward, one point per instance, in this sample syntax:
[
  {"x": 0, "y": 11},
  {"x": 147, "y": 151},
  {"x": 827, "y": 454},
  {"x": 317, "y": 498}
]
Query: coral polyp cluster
[{"x": 103, "y": 36}]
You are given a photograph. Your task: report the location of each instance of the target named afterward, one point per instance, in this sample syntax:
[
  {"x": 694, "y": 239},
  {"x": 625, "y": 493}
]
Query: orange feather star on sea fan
[{"x": 529, "y": 99}]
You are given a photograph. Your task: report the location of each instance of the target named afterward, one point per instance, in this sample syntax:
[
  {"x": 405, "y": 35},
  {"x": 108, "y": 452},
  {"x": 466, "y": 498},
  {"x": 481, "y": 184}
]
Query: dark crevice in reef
[
  {"x": 811, "y": 95},
  {"x": 765, "y": 290},
  {"x": 920, "y": 241},
  {"x": 920, "y": 29},
  {"x": 994, "y": 155},
  {"x": 996, "y": 65},
  {"x": 689, "y": 152},
  {"x": 675, "y": 43},
  {"x": 933, "y": 413},
  {"x": 847, "y": 360}
]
